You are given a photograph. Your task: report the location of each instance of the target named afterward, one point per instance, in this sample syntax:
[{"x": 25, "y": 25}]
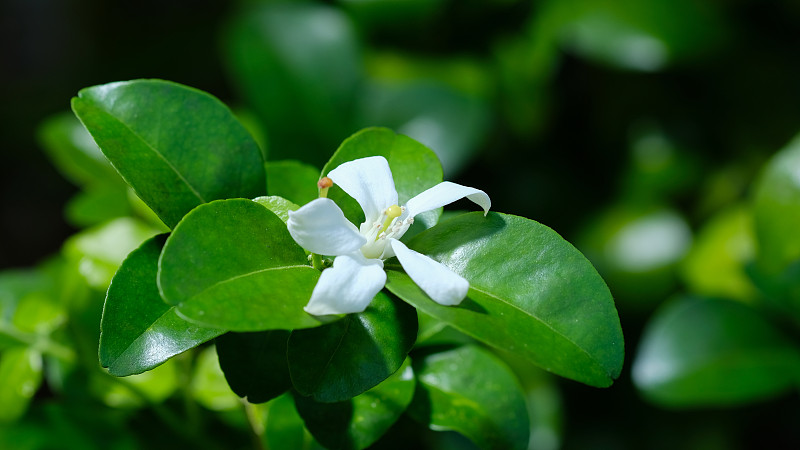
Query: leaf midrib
[{"x": 156, "y": 152}]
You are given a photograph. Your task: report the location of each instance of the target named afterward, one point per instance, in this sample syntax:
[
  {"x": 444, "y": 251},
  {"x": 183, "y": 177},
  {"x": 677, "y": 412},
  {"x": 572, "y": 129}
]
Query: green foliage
[{"x": 548, "y": 294}]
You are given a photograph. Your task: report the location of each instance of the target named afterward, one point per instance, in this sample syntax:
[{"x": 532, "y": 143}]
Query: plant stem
[{"x": 316, "y": 261}]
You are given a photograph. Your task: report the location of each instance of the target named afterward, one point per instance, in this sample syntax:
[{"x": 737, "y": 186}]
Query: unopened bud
[{"x": 324, "y": 184}]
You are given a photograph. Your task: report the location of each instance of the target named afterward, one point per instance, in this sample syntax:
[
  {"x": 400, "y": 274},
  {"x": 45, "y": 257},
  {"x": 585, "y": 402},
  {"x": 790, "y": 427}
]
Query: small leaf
[
  {"x": 20, "y": 376},
  {"x": 292, "y": 180},
  {"x": 415, "y": 168},
  {"x": 255, "y": 364},
  {"x": 357, "y": 423},
  {"x": 138, "y": 330},
  {"x": 100, "y": 250},
  {"x": 531, "y": 293},
  {"x": 283, "y": 426},
  {"x": 343, "y": 359},
  {"x": 231, "y": 264},
  {"x": 278, "y": 205},
  {"x": 698, "y": 352},
  {"x": 471, "y": 391},
  {"x": 176, "y": 146},
  {"x": 776, "y": 210}
]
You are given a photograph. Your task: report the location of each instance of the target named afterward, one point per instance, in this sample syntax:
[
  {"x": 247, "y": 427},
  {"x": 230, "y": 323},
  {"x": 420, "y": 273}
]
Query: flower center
[{"x": 387, "y": 226}]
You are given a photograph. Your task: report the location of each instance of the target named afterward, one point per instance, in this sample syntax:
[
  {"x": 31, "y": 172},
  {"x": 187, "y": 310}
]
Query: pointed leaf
[
  {"x": 138, "y": 330},
  {"x": 255, "y": 364},
  {"x": 343, "y": 359},
  {"x": 698, "y": 352},
  {"x": 231, "y": 264},
  {"x": 176, "y": 146},
  {"x": 471, "y": 391},
  {"x": 357, "y": 423},
  {"x": 531, "y": 293},
  {"x": 414, "y": 167}
]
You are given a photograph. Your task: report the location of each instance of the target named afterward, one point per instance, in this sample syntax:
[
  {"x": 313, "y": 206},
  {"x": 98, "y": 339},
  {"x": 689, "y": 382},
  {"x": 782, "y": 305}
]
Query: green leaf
[
  {"x": 343, "y": 359},
  {"x": 531, "y": 293},
  {"x": 300, "y": 80},
  {"x": 292, "y": 180},
  {"x": 471, "y": 391},
  {"x": 415, "y": 168},
  {"x": 278, "y": 205},
  {"x": 98, "y": 204},
  {"x": 231, "y": 264},
  {"x": 698, "y": 352},
  {"x": 255, "y": 364},
  {"x": 715, "y": 265},
  {"x": 776, "y": 209},
  {"x": 176, "y": 146},
  {"x": 20, "y": 376},
  {"x": 358, "y": 422},
  {"x": 100, "y": 250},
  {"x": 138, "y": 330}
]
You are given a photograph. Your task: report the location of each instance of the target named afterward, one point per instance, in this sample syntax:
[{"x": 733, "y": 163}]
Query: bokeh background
[{"x": 636, "y": 129}]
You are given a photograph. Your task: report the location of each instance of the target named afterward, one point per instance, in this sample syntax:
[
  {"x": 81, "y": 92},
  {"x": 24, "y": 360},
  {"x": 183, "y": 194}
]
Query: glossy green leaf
[
  {"x": 138, "y": 330},
  {"x": 471, "y": 391},
  {"x": 255, "y": 364},
  {"x": 698, "y": 352},
  {"x": 415, "y": 168},
  {"x": 531, "y": 293},
  {"x": 776, "y": 209},
  {"x": 231, "y": 264},
  {"x": 20, "y": 376},
  {"x": 357, "y": 423},
  {"x": 278, "y": 205},
  {"x": 176, "y": 146},
  {"x": 343, "y": 359},
  {"x": 75, "y": 154},
  {"x": 292, "y": 180},
  {"x": 100, "y": 250},
  {"x": 298, "y": 64}
]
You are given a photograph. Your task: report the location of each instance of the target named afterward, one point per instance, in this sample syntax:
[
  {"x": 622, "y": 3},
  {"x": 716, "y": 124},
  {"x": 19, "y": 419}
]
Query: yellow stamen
[{"x": 392, "y": 213}]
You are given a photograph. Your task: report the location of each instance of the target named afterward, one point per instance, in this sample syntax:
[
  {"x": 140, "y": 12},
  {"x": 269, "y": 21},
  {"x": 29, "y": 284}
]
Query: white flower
[{"x": 357, "y": 274}]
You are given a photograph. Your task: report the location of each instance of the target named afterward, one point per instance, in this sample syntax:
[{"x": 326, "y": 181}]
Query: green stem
[
  {"x": 255, "y": 428},
  {"x": 316, "y": 261}
]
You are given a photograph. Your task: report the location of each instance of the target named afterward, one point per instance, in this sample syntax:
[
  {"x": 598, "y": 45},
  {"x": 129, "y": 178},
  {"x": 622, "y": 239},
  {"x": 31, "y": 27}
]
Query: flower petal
[
  {"x": 369, "y": 181},
  {"x": 347, "y": 287},
  {"x": 445, "y": 193},
  {"x": 441, "y": 284},
  {"x": 320, "y": 227}
]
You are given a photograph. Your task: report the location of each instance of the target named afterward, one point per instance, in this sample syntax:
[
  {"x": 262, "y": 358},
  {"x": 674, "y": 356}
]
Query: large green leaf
[
  {"x": 415, "y": 168},
  {"x": 531, "y": 293},
  {"x": 231, "y": 264},
  {"x": 292, "y": 180},
  {"x": 777, "y": 209},
  {"x": 138, "y": 330},
  {"x": 299, "y": 66},
  {"x": 471, "y": 391},
  {"x": 343, "y": 359},
  {"x": 255, "y": 364},
  {"x": 176, "y": 146},
  {"x": 358, "y": 422},
  {"x": 698, "y": 352}
]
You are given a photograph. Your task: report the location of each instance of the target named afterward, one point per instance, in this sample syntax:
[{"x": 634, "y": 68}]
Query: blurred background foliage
[{"x": 646, "y": 132}]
